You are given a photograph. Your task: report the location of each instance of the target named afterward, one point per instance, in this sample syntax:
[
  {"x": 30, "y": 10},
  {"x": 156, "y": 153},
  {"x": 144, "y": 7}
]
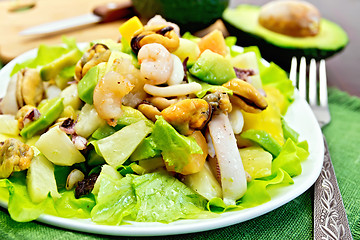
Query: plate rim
[{"x": 199, "y": 225}]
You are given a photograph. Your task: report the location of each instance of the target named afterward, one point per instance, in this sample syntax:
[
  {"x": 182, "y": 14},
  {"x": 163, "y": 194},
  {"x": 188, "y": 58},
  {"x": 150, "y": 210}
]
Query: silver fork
[{"x": 330, "y": 220}]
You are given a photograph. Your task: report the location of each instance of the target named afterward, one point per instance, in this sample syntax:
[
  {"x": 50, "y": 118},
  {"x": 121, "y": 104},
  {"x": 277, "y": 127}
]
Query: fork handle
[{"x": 330, "y": 220}]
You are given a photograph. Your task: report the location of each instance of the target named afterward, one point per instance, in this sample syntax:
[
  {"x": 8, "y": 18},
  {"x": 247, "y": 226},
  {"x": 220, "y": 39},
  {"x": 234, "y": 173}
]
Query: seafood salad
[{"x": 155, "y": 127}]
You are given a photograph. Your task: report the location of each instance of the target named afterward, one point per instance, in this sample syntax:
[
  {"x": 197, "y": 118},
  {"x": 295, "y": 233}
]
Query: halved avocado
[{"x": 242, "y": 22}]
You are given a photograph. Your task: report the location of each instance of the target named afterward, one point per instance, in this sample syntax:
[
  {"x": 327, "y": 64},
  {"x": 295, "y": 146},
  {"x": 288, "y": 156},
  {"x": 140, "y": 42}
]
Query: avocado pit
[{"x": 292, "y": 18}]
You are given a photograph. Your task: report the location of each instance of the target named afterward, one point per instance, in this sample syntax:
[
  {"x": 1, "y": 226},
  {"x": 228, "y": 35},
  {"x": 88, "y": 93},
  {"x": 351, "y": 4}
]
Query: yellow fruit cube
[
  {"x": 268, "y": 120},
  {"x": 128, "y": 28}
]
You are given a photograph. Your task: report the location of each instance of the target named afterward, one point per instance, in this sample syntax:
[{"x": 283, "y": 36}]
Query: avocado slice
[
  {"x": 88, "y": 83},
  {"x": 242, "y": 22},
  {"x": 51, "y": 70},
  {"x": 213, "y": 68}
]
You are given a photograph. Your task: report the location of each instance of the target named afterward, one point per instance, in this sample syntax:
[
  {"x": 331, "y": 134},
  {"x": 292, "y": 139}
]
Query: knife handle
[{"x": 114, "y": 11}]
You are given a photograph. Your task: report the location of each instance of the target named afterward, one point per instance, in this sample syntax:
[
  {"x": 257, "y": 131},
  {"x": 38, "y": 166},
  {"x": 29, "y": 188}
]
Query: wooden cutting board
[{"x": 11, "y": 23}]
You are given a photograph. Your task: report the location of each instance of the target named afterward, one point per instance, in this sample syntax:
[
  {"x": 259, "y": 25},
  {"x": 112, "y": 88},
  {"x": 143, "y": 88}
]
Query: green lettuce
[
  {"x": 116, "y": 199},
  {"x": 22, "y": 209},
  {"x": 68, "y": 206},
  {"x": 152, "y": 197},
  {"x": 131, "y": 115},
  {"x": 277, "y": 77},
  {"x": 256, "y": 50},
  {"x": 20, "y": 206},
  {"x": 175, "y": 148},
  {"x": 289, "y": 132},
  {"x": 256, "y": 194},
  {"x": 285, "y": 166},
  {"x": 47, "y": 54},
  {"x": 290, "y": 157},
  {"x": 191, "y": 37},
  {"x": 146, "y": 149}
]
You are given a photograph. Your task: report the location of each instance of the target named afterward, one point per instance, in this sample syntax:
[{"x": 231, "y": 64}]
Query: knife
[
  {"x": 101, "y": 14},
  {"x": 330, "y": 220}
]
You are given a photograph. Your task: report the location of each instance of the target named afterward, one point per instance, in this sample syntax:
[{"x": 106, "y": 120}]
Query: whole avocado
[
  {"x": 243, "y": 23},
  {"x": 190, "y": 15}
]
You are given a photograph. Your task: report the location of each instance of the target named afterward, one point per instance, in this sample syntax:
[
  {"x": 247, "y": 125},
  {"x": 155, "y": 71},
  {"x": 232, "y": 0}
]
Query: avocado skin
[
  {"x": 190, "y": 15},
  {"x": 279, "y": 54}
]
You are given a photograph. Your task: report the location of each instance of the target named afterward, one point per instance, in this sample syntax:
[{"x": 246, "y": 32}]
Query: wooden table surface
[{"x": 342, "y": 69}]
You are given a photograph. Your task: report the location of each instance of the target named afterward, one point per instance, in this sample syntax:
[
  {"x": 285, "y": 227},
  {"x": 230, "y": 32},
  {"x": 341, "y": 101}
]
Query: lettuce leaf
[
  {"x": 146, "y": 149},
  {"x": 290, "y": 157},
  {"x": 257, "y": 189},
  {"x": 256, "y": 194},
  {"x": 175, "y": 148},
  {"x": 277, "y": 77},
  {"x": 20, "y": 206},
  {"x": 285, "y": 166},
  {"x": 68, "y": 206},
  {"x": 288, "y": 131},
  {"x": 22, "y": 209},
  {"x": 152, "y": 197},
  {"x": 163, "y": 198},
  {"x": 47, "y": 54},
  {"x": 191, "y": 37},
  {"x": 131, "y": 115},
  {"x": 256, "y": 50},
  {"x": 116, "y": 200}
]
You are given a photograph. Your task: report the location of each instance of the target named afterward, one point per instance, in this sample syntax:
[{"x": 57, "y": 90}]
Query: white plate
[{"x": 299, "y": 117}]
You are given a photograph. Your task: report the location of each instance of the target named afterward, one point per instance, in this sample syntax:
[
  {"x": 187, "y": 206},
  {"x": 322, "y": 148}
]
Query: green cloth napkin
[{"x": 291, "y": 221}]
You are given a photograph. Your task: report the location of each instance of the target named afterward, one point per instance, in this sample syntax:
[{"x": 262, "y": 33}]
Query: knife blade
[
  {"x": 101, "y": 14},
  {"x": 330, "y": 220}
]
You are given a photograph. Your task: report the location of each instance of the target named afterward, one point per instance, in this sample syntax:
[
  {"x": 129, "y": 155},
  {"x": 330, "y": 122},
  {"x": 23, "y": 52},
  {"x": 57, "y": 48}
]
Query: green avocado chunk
[
  {"x": 88, "y": 83},
  {"x": 51, "y": 70},
  {"x": 264, "y": 139},
  {"x": 242, "y": 22},
  {"x": 213, "y": 68},
  {"x": 50, "y": 111}
]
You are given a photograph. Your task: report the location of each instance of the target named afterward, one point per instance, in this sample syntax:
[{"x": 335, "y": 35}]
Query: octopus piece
[
  {"x": 229, "y": 169},
  {"x": 96, "y": 54},
  {"x": 15, "y": 156},
  {"x": 26, "y": 115},
  {"x": 246, "y": 96},
  {"x": 188, "y": 115}
]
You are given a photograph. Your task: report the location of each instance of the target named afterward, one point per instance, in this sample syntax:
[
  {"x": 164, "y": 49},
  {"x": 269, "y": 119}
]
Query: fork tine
[
  {"x": 293, "y": 70},
  {"x": 302, "y": 77},
  {"x": 312, "y": 83},
  {"x": 322, "y": 84}
]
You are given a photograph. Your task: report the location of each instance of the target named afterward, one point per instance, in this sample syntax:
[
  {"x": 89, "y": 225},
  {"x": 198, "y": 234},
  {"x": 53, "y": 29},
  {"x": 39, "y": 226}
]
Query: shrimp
[
  {"x": 156, "y": 63},
  {"x": 108, "y": 95}
]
